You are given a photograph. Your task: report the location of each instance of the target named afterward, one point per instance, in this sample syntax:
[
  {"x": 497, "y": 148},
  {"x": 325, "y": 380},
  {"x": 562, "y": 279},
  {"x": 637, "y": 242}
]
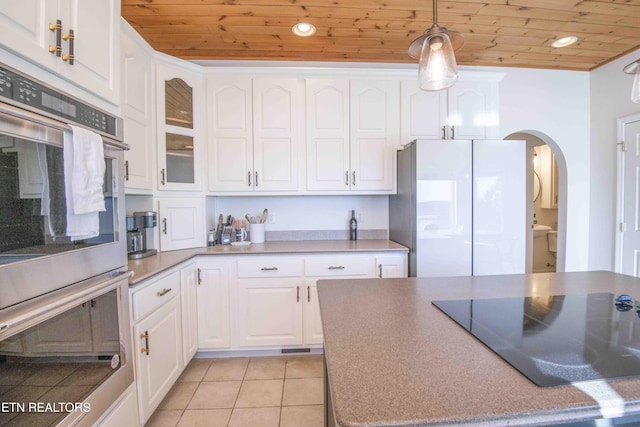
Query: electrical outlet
[
  {"x": 360, "y": 217},
  {"x": 271, "y": 219}
]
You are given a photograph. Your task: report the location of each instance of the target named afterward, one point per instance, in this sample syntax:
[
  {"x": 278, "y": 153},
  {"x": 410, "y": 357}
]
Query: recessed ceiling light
[
  {"x": 564, "y": 41},
  {"x": 303, "y": 29}
]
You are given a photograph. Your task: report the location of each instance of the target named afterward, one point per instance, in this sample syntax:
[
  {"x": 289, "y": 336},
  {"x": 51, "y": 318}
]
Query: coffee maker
[{"x": 137, "y": 226}]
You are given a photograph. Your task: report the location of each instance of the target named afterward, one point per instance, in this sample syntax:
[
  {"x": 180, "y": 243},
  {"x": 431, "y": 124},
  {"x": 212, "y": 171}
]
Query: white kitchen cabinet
[
  {"x": 254, "y": 129},
  {"x": 158, "y": 355},
  {"x": 137, "y": 110},
  {"x": 94, "y": 63},
  {"x": 270, "y": 312},
  {"x": 189, "y": 308},
  {"x": 467, "y": 110},
  {"x": 352, "y": 130},
  {"x": 213, "y": 304},
  {"x": 124, "y": 412},
  {"x": 182, "y": 223},
  {"x": 388, "y": 266},
  {"x": 312, "y": 319},
  {"x": 179, "y": 128}
]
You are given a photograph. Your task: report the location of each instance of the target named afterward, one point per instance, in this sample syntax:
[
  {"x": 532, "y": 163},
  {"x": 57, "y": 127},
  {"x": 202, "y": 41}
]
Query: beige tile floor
[{"x": 278, "y": 391}]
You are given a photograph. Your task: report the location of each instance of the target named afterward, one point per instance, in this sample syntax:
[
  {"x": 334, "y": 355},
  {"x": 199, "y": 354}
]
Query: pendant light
[
  {"x": 435, "y": 49},
  {"x": 634, "y": 68}
]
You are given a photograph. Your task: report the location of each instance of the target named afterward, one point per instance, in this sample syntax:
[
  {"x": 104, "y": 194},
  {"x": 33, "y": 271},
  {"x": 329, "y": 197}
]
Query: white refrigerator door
[
  {"x": 499, "y": 207},
  {"x": 443, "y": 208}
]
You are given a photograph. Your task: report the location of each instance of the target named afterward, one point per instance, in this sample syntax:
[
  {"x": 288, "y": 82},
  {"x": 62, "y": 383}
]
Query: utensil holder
[{"x": 256, "y": 233}]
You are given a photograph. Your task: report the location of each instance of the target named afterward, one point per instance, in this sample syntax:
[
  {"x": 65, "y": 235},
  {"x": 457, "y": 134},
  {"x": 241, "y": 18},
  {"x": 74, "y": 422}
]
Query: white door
[
  {"x": 328, "y": 165},
  {"x": 276, "y": 132},
  {"x": 188, "y": 304},
  {"x": 158, "y": 352},
  {"x": 213, "y": 305},
  {"x": 230, "y": 134},
  {"x": 424, "y": 113},
  {"x": 374, "y": 133},
  {"x": 269, "y": 312},
  {"x": 137, "y": 112},
  {"x": 312, "y": 320},
  {"x": 182, "y": 223},
  {"x": 499, "y": 207},
  {"x": 629, "y": 235}
]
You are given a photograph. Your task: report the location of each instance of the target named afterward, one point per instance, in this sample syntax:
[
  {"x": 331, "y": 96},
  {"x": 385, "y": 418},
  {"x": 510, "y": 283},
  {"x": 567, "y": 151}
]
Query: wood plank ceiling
[{"x": 515, "y": 33}]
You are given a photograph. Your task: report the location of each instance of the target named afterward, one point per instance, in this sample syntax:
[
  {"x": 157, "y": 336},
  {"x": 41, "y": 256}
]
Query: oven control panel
[{"x": 27, "y": 93}]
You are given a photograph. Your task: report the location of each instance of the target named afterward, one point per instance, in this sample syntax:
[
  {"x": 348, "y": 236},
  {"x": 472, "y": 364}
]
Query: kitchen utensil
[
  {"x": 265, "y": 215},
  {"x": 249, "y": 218}
]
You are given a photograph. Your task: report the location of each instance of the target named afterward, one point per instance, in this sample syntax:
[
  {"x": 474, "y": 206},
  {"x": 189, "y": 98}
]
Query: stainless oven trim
[
  {"x": 42, "y": 129},
  {"x": 27, "y": 314}
]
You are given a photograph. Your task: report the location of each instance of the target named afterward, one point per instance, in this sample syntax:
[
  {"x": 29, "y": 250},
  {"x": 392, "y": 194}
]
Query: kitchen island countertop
[
  {"x": 147, "y": 267},
  {"x": 394, "y": 359}
]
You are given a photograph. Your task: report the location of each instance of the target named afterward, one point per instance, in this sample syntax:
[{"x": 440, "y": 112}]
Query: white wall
[
  {"x": 610, "y": 100},
  {"x": 556, "y": 103},
  {"x": 307, "y": 212}
]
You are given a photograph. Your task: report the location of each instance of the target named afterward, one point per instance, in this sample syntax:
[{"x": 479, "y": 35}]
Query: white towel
[{"x": 83, "y": 180}]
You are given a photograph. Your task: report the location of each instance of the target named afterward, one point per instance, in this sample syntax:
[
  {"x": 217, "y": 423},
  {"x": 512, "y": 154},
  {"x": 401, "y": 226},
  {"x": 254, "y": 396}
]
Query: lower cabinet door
[
  {"x": 270, "y": 312},
  {"x": 158, "y": 354},
  {"x": 213, "y": 305},
  {"x": 391, "y": 266},
  {"x": 188, "y": 301},
  {"x": 312, "y": 319}
]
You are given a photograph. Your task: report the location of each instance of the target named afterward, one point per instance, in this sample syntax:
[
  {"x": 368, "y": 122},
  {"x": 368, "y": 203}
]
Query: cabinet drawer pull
[
  {"x": 336, "y": 267},
  {"x": 444, "y": 132},
  {"x": 249, "y": 177},
  {"x": 269, "y": 269},
  {"x": 126, "y": 170},
  {"x": 380, "y": 271},
  {"x": 297, "y": 293},
  {"x": 70, "y": 37},
  {"x": 145, "y": 337},
  {"x": 162, "y": 180},
  {"x": 199, "y": 276},
  {"x": 57, "y": 28},
  {"x": 453, "y": 132},
  {"x": 163, "y": 292},
  {"x": 346, "y": 178},
  {"x": 164, "y": 225},
  {"x": 353, "y": 181},
  {"x": 308, "y": 293},
  {"x": 257, "y": 179}
]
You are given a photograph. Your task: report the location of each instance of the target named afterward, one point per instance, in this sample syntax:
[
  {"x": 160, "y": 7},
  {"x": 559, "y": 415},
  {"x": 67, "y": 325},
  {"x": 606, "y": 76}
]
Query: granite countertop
[
  {"x": 147, "y": 267},
  {"x": 394, "y": 359}
]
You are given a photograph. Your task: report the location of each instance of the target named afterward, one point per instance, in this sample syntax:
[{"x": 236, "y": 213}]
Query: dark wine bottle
[{"x": 353, "y": 227}]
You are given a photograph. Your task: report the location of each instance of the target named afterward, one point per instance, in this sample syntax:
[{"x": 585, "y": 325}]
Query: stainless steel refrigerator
[{"x": 461, "y": 207}]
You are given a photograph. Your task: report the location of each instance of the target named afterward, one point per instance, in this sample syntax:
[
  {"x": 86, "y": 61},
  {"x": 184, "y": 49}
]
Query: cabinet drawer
[
  {"x": 339, "y": 265},
  {"x": 153, "y": 296},
  {"x": 270, "y": 267}
]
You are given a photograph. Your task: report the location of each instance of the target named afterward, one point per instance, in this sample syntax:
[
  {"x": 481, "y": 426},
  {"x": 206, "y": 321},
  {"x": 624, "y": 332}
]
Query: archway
[{"x": 535, "y": 138}]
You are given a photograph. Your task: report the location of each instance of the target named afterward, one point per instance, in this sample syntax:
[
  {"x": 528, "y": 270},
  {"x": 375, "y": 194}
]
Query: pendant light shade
[
  {"x": 435, "y": 49},
  {"x": 634, "y": 68},
  {"x": 437, "y": 69}
]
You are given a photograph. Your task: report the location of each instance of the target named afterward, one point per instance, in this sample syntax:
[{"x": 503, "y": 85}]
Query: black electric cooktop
[{"x": 556, "y": 339}]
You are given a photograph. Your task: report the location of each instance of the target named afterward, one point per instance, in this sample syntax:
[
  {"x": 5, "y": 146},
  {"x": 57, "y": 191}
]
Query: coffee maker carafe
[{"x": 137, "y": 226}]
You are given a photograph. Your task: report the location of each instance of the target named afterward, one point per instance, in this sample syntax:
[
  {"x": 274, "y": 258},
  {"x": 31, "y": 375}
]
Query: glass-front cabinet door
[{"x": 179, "y": 147}]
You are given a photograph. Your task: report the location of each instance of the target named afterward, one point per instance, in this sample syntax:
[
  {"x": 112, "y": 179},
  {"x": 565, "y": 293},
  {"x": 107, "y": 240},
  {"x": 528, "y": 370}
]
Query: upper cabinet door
[
  {"x": 179, "y": 147},
  {"x": 230, "y": 134},
  {"x": 374, "y": 133},
  {"x": 424, "y": 114},
  {"x": 328, "y": 147},
  {"x": 25, "y": 30},
  {"x": 88, "y": 52},
  {"x": 137, "y": 113},
  {"x": 276, "y": 132},
  {"x": 473, "y": 110}
]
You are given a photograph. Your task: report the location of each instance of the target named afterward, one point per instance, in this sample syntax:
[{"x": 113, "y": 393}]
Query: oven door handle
[{"x": 25, "y": 315}]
